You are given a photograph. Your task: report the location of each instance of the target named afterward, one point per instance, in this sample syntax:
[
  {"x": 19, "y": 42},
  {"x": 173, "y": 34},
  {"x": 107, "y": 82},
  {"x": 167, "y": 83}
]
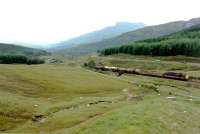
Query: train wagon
[{"x": 175, "y": 75}]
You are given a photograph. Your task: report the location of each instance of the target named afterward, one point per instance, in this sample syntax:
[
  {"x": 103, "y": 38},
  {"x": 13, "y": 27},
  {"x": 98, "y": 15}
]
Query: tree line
[
  {"x": 186, "y": 42},
  {"x": 19, "y": 59},
  {"x": 170, "y": 47}
]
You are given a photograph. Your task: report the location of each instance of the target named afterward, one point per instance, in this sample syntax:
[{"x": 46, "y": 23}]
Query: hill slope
[
  {"x": 186, "y": 42},
  {"x": 69, "y": 99},
  {"x": 10, "y": 49},
  {"x": 105, "y": 33},
  {"x": 140, "y": 34}
]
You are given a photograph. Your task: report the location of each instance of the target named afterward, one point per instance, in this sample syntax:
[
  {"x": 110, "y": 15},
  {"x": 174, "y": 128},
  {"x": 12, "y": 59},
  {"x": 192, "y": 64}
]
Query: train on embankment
[{"x": 167, "y": 75}]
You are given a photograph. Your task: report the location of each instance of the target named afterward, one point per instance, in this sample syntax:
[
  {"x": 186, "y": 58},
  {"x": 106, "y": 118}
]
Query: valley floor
[{"x": 68, "y": 98}]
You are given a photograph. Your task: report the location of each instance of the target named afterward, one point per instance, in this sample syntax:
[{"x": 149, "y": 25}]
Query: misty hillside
[
  {"x": 105, "y": 33},
  {"x": 11, "y": 49},
  {"x": 140, "y": 34}
]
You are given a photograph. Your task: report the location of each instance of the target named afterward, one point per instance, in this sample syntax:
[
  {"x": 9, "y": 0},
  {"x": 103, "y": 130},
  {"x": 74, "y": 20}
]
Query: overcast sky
[{"x": 50, "y": 21}]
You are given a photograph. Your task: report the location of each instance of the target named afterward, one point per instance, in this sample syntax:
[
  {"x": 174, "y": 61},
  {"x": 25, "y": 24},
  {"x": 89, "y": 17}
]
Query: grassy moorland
[
  {"x": 49, "y": 90},
  {"x": 67, "y": 98}
]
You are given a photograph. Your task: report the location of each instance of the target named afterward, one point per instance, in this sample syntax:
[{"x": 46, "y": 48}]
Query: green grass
[
  {"x": 76, "y": 100},
  {"x": 47, "y": 86},
  {"x": 155, "y": 116}
]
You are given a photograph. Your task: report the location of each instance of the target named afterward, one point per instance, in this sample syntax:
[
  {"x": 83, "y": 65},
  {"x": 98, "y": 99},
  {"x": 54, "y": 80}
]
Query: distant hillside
[
  {"x": 105, "y": 33},
  {"x": 10, "y": 49},
  {"x": 186, "y": 42},
  {"x": 141, "y": 34}
]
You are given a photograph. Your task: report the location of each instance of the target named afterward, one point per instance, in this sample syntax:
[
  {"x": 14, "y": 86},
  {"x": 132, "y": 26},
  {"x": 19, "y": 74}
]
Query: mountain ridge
[
  {"x": 136, "y": 35},
  {"x": 99, "y": 35}
]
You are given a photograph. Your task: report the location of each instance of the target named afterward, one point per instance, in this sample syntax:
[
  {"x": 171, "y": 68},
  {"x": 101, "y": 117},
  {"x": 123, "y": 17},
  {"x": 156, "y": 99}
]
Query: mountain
[
  {"x": 105, "y": 33},
  {"x": 186, "y": 42},
  {"x": 11, "y": 49},
  {"x": 140, "y": 34}
]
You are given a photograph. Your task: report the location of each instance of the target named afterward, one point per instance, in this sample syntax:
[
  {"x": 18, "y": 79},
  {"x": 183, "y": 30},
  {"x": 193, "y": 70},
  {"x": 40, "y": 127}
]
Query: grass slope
[
  {"x": 75, "y": 100},
  {"x": 59, "y": 87},
  {"x": 10, "y": 49}
]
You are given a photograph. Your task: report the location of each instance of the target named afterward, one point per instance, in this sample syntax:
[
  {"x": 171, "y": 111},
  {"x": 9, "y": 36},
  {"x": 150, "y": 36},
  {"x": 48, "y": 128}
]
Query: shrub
[{"x": 90, "y": 64}]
